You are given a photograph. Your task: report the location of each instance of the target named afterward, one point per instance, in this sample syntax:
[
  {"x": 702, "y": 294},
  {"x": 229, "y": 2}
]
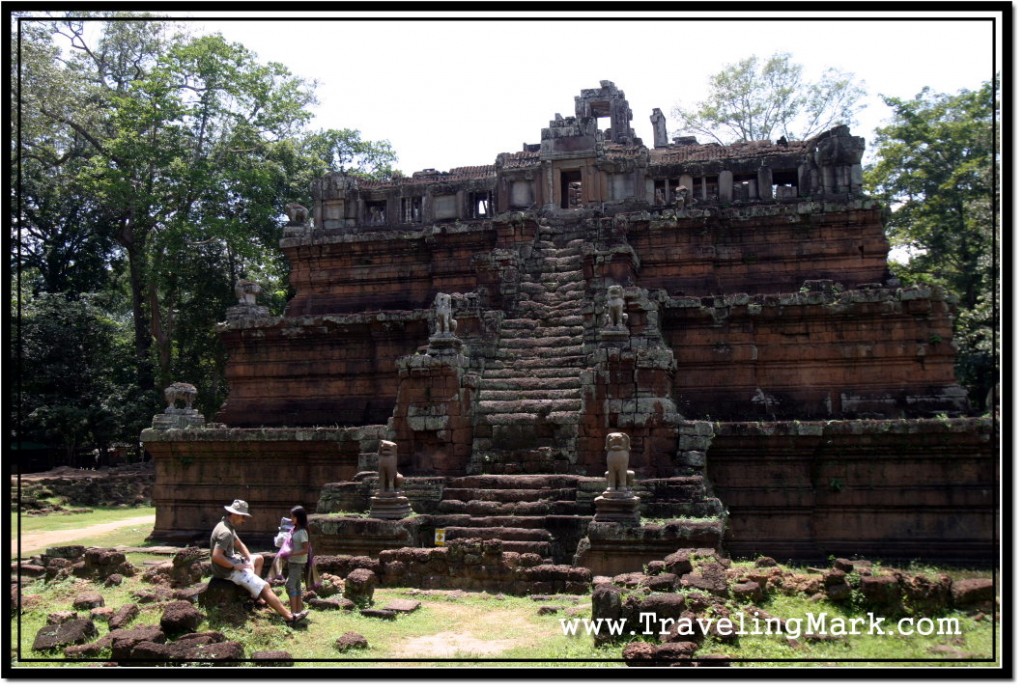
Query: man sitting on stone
[{"x": 232, "y": 561}]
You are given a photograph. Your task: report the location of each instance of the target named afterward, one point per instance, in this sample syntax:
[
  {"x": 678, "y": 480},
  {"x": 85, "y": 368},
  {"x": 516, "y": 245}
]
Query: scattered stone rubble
[{"x": 693, "y": 584}]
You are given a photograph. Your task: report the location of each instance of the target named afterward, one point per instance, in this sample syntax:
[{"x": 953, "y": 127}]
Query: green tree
[
  {"x": 936, "y": 167},
  {"x": 757, "y": 99},
  {"x": 159, "y": 165},
  {"x": 73, "y": 392}
]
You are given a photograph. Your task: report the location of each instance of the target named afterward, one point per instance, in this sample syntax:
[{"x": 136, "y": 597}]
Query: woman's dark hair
[{"x": 300, "y": 517}]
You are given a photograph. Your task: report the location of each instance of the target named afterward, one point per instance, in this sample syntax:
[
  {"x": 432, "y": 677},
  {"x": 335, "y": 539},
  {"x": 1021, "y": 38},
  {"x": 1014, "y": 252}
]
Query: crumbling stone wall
[{"x": 465, "y": 564}]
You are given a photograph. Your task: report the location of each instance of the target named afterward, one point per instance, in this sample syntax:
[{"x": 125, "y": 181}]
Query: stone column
[
  {"x": 725, "y": 187},
  {"x": 660, "y": 133},
  {"x": 764, "y": 183}
]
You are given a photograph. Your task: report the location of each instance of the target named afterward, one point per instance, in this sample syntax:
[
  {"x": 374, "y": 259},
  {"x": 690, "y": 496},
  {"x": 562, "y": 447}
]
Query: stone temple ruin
[{"x": 712, "y": 326}]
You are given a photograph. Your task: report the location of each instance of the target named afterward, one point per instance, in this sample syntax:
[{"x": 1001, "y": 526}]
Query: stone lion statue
[
  {"x": 246, "y": 291},
  {"x": 443, "y": 321},
  {"x": 389, "y": 479},
  {"x": 179, "y": 391},
  {"x": 297, "y": 214},
  {"x": 619, "y": 476},
  {"x": 616, "y": 307}
]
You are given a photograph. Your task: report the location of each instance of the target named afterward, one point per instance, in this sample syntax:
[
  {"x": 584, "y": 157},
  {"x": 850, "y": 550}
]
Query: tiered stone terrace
[{"x": 768, "y": 361}]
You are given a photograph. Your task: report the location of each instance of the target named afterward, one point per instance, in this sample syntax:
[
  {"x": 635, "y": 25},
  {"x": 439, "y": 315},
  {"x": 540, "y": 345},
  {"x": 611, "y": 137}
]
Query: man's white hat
[{"x": 239, "y": 507}]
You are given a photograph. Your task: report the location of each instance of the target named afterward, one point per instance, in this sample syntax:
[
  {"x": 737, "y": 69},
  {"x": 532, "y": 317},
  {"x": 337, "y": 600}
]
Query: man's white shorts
[{"x": 248, "y": 579}]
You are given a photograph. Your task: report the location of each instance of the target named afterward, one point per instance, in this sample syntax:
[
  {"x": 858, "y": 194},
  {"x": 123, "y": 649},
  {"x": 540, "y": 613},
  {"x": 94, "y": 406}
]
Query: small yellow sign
[{"x": 439, "y": 537}]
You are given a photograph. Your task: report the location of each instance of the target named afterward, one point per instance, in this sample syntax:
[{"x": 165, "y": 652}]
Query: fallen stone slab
[
  {"x": 402, "y": 606},
  {"x": 388, "y": 614},
  {"x": 70, "y": 632}
]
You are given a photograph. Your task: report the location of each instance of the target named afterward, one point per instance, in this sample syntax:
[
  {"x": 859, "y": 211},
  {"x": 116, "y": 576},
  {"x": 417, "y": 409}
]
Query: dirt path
[
  {"x": 511, "y": 629},
  {"x": 37, "y": 541}
]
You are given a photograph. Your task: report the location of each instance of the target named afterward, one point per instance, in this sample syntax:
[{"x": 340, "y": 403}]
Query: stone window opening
[
  {"x": 705, "y": 188},
  {"x": 482, "y": 205},
  {"x": 377, "y": 213},
  {"x": 745, "y": 188},
  {"x": 412, "y": 210},
  {"x": 785, "y": 184},
  {"x": 572, "y": 189},
  {"x": 665, "y": 191}
]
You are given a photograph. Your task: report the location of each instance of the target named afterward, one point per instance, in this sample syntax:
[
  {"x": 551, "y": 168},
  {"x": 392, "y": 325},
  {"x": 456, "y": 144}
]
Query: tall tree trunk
[
  {"x": 140, "y": 319},
  {"x": 162, "y": 329}
]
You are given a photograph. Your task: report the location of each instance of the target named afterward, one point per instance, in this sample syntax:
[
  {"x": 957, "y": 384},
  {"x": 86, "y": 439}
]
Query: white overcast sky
[{"x": 448, "y": 93}]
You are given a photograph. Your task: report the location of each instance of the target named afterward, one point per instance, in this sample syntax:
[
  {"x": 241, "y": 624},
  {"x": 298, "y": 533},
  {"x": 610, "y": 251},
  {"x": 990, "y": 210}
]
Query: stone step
[
  {"x": 568, "y": 356},
  {"x": 531, "y": 383},
  {"x": 526, "y": 481},
  {"x": 497, "y": 532},
  {"x": 501, "y": 371},
  {"x": 572, "y": 332},
  {"x": 562, "y": 278},
  {"x": 561, "y": 395},
  {"x": 494, "y": 508},
  {"x": 550, "y": 263},
  {"x": 548, "y": 312},
  {"x": 545, "y": 342},
  {"x": 575, "y": 360},
  {"x": 566, "y": 418},
  {"x": 521, "y": 406},
  {"x": 509, "y": 496}
]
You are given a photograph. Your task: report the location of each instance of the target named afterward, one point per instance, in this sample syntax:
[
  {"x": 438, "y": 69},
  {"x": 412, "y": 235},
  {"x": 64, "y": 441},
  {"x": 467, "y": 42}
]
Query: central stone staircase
[
  {"x": 529, "y": 395},
  {"x": 541, "y": 514}
]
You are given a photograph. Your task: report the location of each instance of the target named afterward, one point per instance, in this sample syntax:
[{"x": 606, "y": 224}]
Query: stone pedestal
[
  {"x": 389, "y": 505},
  {"x": 178, "y": 418},
  {"x": 618, "y": 506},
  {"x": 614, "y": 335},
  {"x": 445, "y": 343},
  {"x": 246, "y": 312}
]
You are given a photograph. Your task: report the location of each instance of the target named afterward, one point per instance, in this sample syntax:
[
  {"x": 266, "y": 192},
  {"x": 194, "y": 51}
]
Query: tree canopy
[
  {"x": 756, "y": 99},
  {"x": 152, "y": 170},
  {"x": 937, "y": 168}
]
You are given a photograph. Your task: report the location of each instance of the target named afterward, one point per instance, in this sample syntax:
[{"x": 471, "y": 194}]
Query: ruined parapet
[
  {"x": 833, "y": 164},
  {"x": 610, "y": 102}
]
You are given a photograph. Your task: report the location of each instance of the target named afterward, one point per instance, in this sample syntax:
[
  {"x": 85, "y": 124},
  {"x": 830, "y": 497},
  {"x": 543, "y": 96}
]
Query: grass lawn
[
  {"x": 485, "y": 631},
  {"x": 47, "y": 525}
]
